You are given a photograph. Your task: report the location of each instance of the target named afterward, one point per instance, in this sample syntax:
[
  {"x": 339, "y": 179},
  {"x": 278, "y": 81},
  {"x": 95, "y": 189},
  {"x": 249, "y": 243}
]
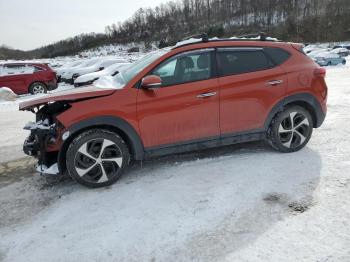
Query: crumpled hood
[{"x": 68, "y": 95}]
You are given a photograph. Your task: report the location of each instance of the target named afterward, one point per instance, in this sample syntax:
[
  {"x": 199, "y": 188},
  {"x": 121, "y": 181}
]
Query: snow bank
[{"x": 6, "y": 94}]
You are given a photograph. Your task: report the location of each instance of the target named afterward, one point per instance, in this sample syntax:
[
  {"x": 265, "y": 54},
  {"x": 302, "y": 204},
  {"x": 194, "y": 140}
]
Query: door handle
[
  {"x": 204, "y": 95},
  {"x": 274, "y": 82}
]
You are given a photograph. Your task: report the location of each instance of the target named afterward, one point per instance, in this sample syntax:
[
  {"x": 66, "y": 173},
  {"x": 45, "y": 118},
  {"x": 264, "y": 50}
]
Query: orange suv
[{"x": 193, "y": 96}]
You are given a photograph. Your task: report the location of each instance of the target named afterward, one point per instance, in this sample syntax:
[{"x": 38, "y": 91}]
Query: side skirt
[{"x": 197, "y": 145}]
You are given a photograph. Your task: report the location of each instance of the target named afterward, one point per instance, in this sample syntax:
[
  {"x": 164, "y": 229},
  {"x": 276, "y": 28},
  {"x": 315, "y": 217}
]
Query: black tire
[
  {"x": 95, "y": 168},
  {"x": 344, "y": 62},
  {"x": 37, "y": 88},
  {"x": 287, "y": 136},
  {"x": 329, "y": 63}
]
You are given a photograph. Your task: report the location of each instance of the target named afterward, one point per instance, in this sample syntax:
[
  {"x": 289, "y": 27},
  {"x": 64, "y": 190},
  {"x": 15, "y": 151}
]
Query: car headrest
[
  {"x": 186, "y": 62},
  {"x": 203, "y": 61}
]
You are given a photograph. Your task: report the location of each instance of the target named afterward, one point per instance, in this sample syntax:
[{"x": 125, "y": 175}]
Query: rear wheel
[
  {"x": 97, "y": 158},
  {"x": 37, "y": 88},
  {"x": 291, "y": 129}
]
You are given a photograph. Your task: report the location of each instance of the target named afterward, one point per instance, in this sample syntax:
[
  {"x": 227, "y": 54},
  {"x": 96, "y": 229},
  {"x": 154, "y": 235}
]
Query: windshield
[{"x": 128, "y": 73}]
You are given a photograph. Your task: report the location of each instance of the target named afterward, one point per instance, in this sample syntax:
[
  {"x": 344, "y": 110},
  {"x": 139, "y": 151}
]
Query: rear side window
[
  {"x": 38, "y": 69},
  {"x": 277, "y": 55},
  {"x": 233, "y": 62}
]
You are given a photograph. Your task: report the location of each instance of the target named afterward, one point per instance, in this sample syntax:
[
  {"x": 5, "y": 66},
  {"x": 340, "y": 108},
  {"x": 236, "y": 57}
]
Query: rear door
[
  {"x": 250, "y": 84},
  {"x": 186, "y": 107}
]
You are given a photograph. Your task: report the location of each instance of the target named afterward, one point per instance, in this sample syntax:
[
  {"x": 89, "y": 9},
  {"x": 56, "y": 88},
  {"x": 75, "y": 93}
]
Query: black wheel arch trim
[
  {"x": 128, "y": 132},
  {"x": 307, "y": 98}
]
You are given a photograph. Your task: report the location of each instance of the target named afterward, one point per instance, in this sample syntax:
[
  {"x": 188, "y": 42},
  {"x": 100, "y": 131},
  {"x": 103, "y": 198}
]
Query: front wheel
[
  {"x": 97, "y": 158},
  {"x": 291, "y": 129}
]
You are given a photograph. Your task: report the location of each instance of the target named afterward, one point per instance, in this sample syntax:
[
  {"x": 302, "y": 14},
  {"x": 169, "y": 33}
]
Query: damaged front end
[
  {"x": 47, "y": 133},
  {"x": 45, "y": 138}
]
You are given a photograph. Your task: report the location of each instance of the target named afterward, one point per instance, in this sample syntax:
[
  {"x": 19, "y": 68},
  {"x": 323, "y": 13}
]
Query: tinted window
[
  {"x": 232, "y": 62},
  {"x": 184, "y": 68},
  {"x": 277, "y": 55}
]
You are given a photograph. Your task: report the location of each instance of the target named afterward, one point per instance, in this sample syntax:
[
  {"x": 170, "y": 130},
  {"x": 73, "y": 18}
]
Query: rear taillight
[{"x": 320, "y": 72}]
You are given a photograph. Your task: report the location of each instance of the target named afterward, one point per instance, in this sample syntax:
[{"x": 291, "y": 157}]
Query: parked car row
[
  {"x": 327, "y": 56},
  {"x": 69, "y": 73},
  {"x": 90, "y": 78},
  {"x": 35, "y": 78}
]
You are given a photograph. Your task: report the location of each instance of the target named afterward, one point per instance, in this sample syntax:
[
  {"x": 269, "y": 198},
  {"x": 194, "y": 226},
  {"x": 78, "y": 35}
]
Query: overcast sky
[{"x": 27, "y": 24}]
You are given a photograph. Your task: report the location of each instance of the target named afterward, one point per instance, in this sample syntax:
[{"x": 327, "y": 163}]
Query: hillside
[{"x": 291, "y": 20}]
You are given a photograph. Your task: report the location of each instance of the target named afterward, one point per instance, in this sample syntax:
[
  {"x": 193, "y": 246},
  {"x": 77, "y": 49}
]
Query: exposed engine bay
[{"x": 45, "y": 136}]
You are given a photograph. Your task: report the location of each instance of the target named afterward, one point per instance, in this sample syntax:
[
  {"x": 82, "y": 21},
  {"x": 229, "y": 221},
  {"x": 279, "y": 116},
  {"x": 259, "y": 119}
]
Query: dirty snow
[{"x": 238, "y": 203}]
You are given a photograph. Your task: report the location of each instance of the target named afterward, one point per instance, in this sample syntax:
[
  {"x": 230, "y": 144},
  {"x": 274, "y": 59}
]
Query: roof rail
[
  {"x": 262, "y": 36},
  {"x": 195, "y": 39},
  {"x": 203, "y": 36}
]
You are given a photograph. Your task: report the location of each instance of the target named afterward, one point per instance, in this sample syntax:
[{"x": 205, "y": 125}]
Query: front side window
[
  {"x": 14, "y": 69},
  {"x": 184, "y": 68},
  {"x": 233, "y": 62}
]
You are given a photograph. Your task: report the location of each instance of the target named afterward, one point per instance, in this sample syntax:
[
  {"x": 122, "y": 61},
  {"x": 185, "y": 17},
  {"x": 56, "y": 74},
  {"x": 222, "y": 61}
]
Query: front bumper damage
[{"x": 42, "y": 136}]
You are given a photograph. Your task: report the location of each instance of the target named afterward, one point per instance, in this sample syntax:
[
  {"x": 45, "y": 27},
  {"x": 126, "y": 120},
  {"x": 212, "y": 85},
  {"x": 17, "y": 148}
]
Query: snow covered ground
[{"x": 238, "y": 203}]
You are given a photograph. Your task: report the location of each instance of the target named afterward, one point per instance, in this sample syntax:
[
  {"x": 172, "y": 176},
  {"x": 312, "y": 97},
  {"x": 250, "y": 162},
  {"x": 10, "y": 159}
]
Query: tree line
[{"x": 289, "y": 20}]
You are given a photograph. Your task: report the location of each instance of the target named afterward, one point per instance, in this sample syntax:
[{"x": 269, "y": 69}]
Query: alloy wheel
[
  {"x": 38, "y": 89},
  {"x": 294, "y": 129},
  {"x": 98, "y": 160}
]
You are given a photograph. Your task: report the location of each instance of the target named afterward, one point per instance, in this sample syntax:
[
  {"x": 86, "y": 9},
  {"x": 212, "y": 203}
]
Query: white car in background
[
  {"x": 111, "y": 70},
  {"x": 316, "y": 52},
  {"x": 65, "y": 72},
  {"x": 92, "y": 66},
  {"x": 343, "y": 52},
  {"x": 67, "y": 67}
]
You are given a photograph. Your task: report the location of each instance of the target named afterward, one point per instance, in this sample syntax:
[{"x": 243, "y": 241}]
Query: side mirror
[{"x": 151, "y": 81}]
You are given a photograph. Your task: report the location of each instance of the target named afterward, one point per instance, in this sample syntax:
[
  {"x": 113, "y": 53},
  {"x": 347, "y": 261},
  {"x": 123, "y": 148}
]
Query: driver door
[{"x": 186, "y": 107}]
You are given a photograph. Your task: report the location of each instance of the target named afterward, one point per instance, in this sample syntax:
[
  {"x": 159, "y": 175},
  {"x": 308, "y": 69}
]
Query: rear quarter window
[
  {"x": 277, "y": 55},
  {"x": 38, "y": 69}
]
